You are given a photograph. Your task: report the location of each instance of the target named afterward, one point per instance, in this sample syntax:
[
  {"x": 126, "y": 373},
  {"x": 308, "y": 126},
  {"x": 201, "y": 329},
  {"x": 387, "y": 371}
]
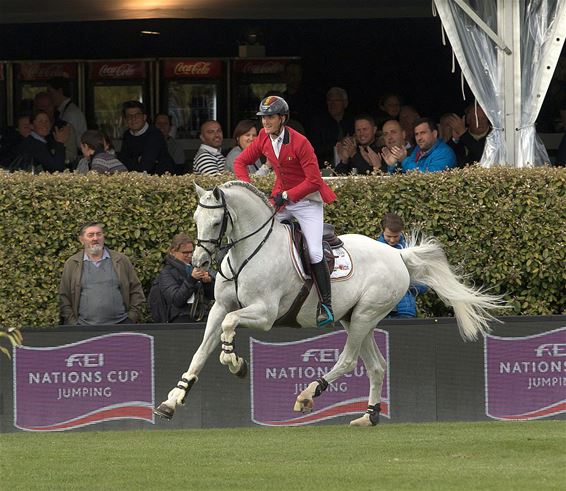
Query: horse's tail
[{"x": 427, "y": 264}]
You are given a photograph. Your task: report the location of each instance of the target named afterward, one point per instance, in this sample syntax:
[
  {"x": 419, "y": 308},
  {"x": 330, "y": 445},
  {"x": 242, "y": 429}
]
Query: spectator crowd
[{"x": 389, "y": 137}]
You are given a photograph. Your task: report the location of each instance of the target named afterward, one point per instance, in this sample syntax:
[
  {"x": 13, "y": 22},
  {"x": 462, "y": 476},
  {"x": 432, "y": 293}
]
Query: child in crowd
[{"x": 98, "y": 154}]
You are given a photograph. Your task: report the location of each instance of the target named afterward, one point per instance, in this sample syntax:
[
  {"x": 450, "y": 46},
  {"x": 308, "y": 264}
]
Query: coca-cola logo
[
  {"x": 122, "y": 70},
  {"x": 197, "y": 68},
  {"x": 35, "y": 71},
  {"x": 265, "y": 67}
]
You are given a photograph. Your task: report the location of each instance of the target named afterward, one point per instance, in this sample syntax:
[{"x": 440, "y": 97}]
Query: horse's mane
[{"x": 249, "y": 187}]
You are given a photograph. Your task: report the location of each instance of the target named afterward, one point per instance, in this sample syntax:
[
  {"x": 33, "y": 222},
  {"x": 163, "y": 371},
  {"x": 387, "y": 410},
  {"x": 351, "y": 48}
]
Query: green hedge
[{"x": 504, "y": 227}]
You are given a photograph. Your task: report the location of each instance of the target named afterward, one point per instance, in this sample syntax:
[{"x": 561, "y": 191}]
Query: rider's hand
[{"x": 279, "y": 200}]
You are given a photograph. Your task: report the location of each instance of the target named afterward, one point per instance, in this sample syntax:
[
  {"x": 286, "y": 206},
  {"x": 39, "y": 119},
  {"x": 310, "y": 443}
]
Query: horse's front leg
[
  {"x": 177, "y": 395},
  {"x": 256, "y": 316}
]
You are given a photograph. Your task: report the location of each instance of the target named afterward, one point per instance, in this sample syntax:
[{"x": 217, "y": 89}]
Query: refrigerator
[
  {"x": 5, "y": 117},
  {"x": 31, "y": 78},
  {"x": 251, "y": 79},
  {"x": 110, "y": 84},
  {"x": 192, "y": 92}
]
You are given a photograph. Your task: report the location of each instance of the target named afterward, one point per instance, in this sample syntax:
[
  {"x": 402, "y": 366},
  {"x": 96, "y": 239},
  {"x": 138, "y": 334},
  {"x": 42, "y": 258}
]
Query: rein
[{"x": 225, "y": 248}]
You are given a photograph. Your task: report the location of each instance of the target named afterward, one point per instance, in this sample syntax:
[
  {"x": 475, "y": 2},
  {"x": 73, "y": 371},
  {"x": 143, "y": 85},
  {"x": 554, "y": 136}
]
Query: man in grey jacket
[{"x": 98, "y": 285}]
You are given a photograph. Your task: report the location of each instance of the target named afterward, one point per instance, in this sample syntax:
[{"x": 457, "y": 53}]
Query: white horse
[{"x": 259, "y": 284}]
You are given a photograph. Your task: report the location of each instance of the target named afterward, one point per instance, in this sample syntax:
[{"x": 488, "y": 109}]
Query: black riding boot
[{"x": 321, "y": 277}]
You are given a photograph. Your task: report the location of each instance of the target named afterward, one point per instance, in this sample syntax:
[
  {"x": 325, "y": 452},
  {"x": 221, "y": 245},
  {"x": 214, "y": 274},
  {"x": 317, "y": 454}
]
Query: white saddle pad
[{"x": 343, "y": 265}]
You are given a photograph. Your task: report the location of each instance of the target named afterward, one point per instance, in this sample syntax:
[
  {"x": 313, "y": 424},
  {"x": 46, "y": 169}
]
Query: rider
[{"x": 298, "y": 191}]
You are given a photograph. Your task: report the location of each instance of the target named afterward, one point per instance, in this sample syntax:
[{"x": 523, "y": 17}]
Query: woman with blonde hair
[{"x": 186, "y": 290}]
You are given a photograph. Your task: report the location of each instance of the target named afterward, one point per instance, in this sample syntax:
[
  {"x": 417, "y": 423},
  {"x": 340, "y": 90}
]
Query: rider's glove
[{"x": 280, "y": 199}]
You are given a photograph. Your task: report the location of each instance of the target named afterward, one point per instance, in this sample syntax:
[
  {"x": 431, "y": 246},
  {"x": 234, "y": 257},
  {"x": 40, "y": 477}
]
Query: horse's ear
[
  {"x": 216, "y": 193},
  {"x": 200, "y": 191}
]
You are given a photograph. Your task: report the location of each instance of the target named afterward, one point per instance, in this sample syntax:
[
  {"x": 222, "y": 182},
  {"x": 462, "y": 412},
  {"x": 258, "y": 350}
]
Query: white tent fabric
[
  {"x": 542, "y": 36},
  {"x": 542, "y": 33}
]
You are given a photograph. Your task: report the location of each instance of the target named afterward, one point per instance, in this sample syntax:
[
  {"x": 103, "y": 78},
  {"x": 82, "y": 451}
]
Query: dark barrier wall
[{"x": 112, "y": 380}]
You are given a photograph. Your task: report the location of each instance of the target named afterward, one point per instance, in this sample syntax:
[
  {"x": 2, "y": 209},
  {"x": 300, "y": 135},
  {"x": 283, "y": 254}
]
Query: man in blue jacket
[
  {"x": 392, "y": 233},
  {"x": 431, "y": 154}
]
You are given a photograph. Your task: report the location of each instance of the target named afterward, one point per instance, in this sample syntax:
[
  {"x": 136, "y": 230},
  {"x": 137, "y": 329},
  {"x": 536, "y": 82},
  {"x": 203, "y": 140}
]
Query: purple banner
[
  {"x": 100, "y": 379},
  {"x": 525, "y": 378},
  {"x": 280, "y": 371}
]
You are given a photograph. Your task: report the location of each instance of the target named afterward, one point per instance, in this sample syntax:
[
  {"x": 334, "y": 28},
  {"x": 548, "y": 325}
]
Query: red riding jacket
[{"x": 296, "y": 169}]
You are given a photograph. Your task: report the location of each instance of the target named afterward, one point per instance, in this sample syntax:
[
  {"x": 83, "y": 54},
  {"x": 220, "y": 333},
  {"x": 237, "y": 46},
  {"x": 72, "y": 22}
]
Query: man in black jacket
[
  {"x": 469, "y": 134},
  {"x": 360, "y": 154},
  {"x": 331, "y": 127},
  {"x": 144, "y": 148}
]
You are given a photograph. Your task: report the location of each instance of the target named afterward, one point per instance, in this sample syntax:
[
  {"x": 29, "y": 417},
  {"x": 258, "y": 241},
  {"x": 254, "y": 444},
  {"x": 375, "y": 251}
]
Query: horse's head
[{"x": 213, "y": 221}]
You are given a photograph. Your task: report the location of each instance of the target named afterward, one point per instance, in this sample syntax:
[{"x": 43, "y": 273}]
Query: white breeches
[{"x": 309, "y": 214}]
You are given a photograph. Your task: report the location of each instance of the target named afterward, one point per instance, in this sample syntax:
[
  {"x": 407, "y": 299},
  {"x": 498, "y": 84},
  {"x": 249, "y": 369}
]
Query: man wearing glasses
[
  {"x": 99, "y": 286},
  {"x": 144, "y": 148}
]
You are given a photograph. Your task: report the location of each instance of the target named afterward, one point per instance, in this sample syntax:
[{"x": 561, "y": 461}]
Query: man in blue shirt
[
  {"x": 392, "y": 234},
  {"x": 431, "y": 154}
]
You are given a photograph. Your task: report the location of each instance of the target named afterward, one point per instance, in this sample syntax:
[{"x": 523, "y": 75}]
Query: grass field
[{"x": 439, "y": 456}]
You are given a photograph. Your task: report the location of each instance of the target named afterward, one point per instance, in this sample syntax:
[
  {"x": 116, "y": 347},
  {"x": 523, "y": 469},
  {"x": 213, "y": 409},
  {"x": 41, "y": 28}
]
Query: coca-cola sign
[
  {"x": 192, "y": 68},
  {"x": 45, "y": 71},
  {"x": 117, "y": 70},
  {"x": 257, "y": 67}
]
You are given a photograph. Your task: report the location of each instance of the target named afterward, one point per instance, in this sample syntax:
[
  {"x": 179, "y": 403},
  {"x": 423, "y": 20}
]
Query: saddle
[{"x": 329, "y": 241}]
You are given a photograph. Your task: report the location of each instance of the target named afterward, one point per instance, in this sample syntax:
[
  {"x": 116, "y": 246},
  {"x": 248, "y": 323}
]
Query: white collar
[
  {"x": 279, "y": 137},
  {"x": 38, "y": 137},
  {"x": 210, "y": 149},
  {"x": 140, "y": 132}
]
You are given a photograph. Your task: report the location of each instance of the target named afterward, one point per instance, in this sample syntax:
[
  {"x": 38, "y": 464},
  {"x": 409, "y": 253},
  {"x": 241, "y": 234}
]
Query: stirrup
[{"x": 329, "y": 316}]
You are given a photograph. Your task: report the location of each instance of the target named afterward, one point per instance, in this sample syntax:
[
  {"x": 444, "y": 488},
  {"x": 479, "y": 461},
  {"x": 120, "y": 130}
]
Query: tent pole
[{"x": 509, "y": 27}]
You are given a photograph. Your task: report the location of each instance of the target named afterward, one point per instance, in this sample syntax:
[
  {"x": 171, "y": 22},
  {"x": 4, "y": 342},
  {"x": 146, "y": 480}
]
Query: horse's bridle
[
  {"x": 225, "y": 248},
  {"x": 216, "y": 242}
]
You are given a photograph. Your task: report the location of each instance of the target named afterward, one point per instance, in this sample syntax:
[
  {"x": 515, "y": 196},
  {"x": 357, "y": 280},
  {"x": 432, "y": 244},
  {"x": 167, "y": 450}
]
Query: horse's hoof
[
  {"x": 164, "y": 411},
  {"x": 363, "y": 421},
  {"x": 243, "y": 371},
  {"x": 303, "y": 405}
]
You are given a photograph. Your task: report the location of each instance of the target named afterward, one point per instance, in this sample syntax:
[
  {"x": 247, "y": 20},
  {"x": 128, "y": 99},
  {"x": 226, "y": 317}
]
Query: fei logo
[
  {"x": 525, "y": 378},
  {"x": 85, "y": 360},
  {"x": 100, "y": 379},
  {"x": 280, "y": 371}
]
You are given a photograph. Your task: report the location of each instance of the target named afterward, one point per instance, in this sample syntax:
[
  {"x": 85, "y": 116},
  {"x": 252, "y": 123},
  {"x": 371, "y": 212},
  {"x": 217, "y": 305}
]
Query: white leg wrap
[
  {"x": 228, "y": 358},
  {"x": 304, "y": 402},
  {"x": 176, "y": 395},
  {"x": 362, "y": 421},
  {"x": 227, "y": 337},
  {"x": 235, "y": 367}
]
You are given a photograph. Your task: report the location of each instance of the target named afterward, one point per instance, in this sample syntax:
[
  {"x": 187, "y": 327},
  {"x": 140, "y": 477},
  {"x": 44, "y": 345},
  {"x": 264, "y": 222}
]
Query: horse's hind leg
[
  {"x": 254, "y": 316},
  {"x": 176, "y": 396},
  {"x": 375, "y": 369},
  {"x": 345, "y": 364}
]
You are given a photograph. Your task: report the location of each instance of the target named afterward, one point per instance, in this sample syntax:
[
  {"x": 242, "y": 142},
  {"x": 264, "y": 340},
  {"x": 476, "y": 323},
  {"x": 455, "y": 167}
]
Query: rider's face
[{"x": 272, "y": 123}]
